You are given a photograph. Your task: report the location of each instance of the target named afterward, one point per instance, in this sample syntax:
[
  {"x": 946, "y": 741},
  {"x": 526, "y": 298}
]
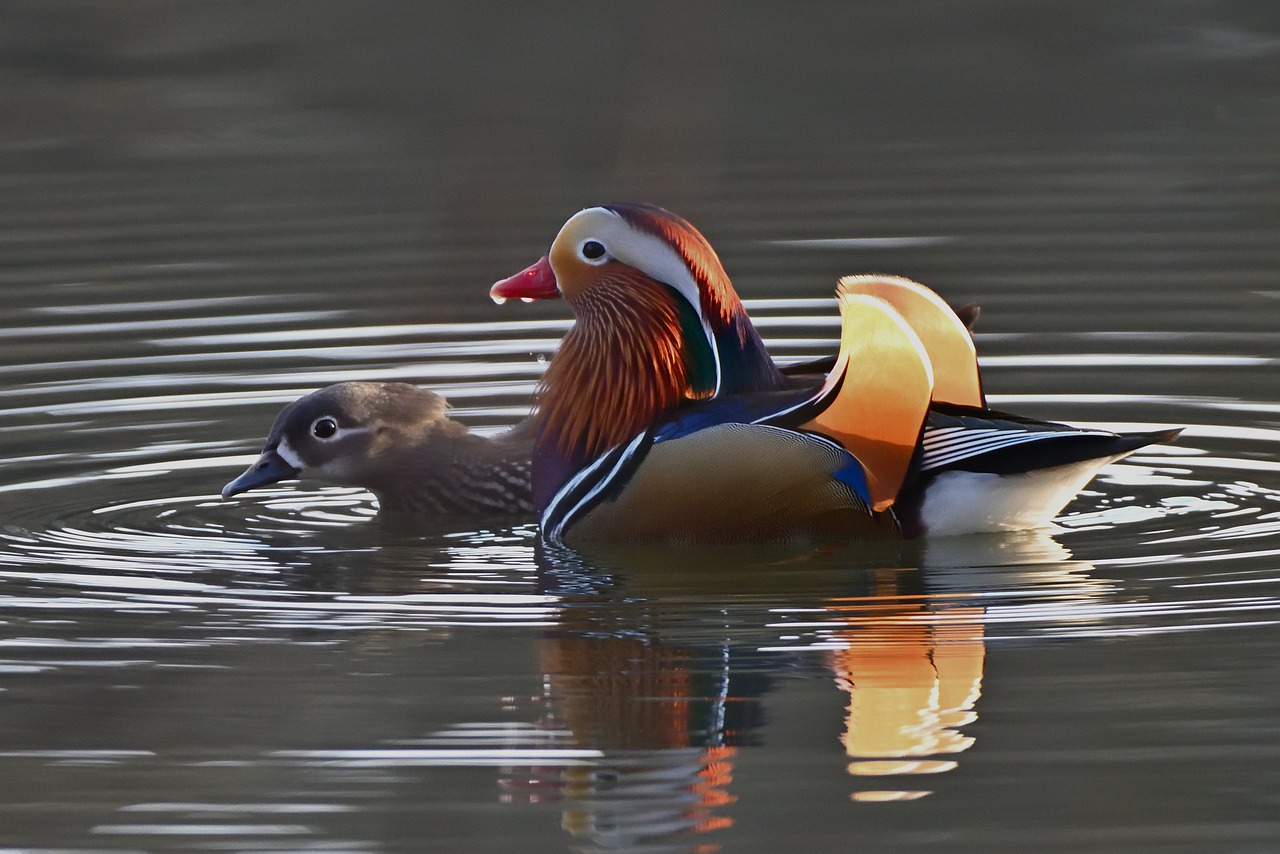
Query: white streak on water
[{"x": 863, "y": 242}]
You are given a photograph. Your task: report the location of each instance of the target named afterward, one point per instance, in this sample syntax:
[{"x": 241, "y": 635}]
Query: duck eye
[
  {"x": 593, "y": 250},
  {"x": 324, "y": 427}
]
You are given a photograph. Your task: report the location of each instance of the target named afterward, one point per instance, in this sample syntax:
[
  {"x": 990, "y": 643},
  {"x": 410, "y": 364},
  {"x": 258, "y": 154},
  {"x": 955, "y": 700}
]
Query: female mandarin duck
[
  {"x": 662, "y": 417},
  {"x": 398, "y": 442}
]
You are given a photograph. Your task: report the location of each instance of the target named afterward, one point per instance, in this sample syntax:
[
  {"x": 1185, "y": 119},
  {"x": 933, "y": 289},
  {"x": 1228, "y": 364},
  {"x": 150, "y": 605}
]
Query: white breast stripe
[
  {"x": 556, "y": 534},
  {"x": 553, "y": 506},
  {"x": 946, "y": 445}
]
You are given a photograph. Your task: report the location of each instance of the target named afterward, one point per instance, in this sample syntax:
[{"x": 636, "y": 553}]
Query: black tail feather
[{"x": 1061, "y": 450}]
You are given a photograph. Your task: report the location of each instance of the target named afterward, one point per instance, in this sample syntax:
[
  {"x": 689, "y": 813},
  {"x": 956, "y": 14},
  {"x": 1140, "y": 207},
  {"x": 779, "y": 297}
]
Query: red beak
[{"x": 531, "y": 283}]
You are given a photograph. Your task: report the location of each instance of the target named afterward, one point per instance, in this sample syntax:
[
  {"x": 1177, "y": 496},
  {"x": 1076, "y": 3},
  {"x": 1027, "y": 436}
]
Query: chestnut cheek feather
[{"x": 617, "y": 370}]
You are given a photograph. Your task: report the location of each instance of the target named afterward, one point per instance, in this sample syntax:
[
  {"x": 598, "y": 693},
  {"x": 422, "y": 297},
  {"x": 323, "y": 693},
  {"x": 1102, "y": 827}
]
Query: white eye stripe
[
  {"x": 648, "y": 253},
  {"x": 286, "y": 452}
]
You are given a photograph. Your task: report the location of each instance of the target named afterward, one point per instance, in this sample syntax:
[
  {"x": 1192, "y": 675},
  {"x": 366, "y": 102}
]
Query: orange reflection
[
  {"x": 659, "y": 715},
  {"x": 913, "y": 676},
  {"x": 602, "y": 683}
]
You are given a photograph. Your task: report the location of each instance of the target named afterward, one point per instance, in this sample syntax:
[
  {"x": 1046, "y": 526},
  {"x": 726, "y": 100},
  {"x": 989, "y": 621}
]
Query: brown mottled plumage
[{"x": 398, "y": 442}]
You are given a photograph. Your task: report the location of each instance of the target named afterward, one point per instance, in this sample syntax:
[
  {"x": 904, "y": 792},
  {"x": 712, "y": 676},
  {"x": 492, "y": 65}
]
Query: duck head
[
  {"x": 605, "y": 256},
  {"x": 395, "y": 440},
  {"x": 657, "y": 323}
]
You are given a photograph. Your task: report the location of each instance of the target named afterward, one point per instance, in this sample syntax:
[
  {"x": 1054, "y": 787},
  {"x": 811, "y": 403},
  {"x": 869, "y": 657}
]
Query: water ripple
[{"x": 132, "y": 520}]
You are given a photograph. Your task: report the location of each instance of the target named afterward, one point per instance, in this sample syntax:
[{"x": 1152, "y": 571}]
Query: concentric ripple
[{"x": 123, "y": 510}]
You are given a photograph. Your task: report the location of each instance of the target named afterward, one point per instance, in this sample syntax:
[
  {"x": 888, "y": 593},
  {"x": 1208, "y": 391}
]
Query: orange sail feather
[
  {"x": 879, "y": 393},
  {"x": 943, "y": 334}
]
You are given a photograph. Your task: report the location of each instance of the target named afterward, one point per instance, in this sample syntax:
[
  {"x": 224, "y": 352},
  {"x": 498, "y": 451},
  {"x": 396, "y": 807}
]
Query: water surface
[{"x": 210, "y": 210}]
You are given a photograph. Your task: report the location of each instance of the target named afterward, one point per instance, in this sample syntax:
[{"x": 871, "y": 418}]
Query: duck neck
[
  {"x": 625, "y": 363},
  {"x": 745, "y": 364}
]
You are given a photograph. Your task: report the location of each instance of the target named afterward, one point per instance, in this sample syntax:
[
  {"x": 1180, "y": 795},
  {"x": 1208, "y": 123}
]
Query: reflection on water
[
  {"x": 911, "y": 686},
  {"x": 653, "y": 681}
]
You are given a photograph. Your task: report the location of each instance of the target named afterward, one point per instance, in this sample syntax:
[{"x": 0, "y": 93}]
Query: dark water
[{"x": 207, "y": 209}]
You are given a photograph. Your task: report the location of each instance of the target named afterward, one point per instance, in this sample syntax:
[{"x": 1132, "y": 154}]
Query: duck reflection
[
  {"x": 913, "y": 676},
  {"x": 667, "y": 718},
  {"x": 911, "y": 658},
  {"x": 663, "y": 663}
]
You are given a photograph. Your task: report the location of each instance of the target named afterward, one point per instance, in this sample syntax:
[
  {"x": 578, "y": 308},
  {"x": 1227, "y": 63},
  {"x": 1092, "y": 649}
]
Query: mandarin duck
[
  {"x": 397, "y": 441},
  {"x": 663, "y": 417}
]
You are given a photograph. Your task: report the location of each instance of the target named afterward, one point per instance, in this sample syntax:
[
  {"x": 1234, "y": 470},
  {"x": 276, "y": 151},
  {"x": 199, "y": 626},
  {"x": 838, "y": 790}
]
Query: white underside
[{"x": 974, "y": 503}]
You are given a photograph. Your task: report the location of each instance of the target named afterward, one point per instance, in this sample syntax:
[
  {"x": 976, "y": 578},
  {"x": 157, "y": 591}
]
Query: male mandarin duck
[
  {"x": 397, "y": 441},
  {"x": 662, "y": 416}
]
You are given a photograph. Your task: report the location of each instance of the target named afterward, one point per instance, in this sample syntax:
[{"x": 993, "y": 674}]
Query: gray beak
[{"x": 269, "y": 468}]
